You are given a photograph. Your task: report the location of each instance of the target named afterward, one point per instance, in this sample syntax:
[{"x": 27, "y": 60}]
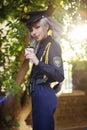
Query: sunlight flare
[{"x": 78, "y": 33}]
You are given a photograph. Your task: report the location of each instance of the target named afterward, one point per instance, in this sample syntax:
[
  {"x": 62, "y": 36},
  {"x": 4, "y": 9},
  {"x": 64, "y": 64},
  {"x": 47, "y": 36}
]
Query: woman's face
[{"x": 38, "y": 31}]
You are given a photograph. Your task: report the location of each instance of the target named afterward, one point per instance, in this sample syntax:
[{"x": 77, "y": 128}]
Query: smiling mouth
[{"x": 36, "y": 37}]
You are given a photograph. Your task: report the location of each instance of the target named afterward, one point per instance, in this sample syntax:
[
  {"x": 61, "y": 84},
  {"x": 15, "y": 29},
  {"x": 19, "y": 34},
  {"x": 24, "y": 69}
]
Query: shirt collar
[{"x": 44, "y": 42}]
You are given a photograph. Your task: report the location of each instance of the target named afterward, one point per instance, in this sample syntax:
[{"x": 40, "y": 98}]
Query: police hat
[{"x": 32, "y": 17}]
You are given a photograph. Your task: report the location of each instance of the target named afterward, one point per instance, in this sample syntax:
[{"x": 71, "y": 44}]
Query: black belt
[
  {"x": 34, "y": 82},
  {"x": 41, "y": 81}
]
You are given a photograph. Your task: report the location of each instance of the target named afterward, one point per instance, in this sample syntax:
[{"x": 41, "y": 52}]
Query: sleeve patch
[{"x": 57, "y": 61}]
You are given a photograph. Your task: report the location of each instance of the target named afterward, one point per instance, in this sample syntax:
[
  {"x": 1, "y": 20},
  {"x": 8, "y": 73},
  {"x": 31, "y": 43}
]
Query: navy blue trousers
[{"x": 44, "y": 102}]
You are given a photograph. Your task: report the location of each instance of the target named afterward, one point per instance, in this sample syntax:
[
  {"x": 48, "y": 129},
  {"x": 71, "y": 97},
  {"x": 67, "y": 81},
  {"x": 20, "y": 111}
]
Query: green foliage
[
  {"x": 8, "y": 118},
  {"x": 10, "y": 123},
  {"x": 13, "y": 88},
  {"x": 12, "y": 42}
]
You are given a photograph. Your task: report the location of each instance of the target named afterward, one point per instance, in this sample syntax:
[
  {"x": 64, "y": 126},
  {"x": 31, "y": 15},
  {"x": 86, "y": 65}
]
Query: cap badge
[{"x": 26, "y": 17}]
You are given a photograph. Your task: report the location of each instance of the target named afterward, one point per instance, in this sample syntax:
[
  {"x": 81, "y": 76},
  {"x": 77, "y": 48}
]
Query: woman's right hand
[{"x": 29, "y": 54}]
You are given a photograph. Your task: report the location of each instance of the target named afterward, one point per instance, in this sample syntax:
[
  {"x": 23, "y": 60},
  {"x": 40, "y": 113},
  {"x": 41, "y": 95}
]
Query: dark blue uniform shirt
[{"x": 54, "y": 69}]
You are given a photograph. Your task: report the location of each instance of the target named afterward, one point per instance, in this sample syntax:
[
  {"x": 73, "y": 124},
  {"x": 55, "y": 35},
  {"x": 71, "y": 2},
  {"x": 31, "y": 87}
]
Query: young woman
[{"x": 47, "y": 68}]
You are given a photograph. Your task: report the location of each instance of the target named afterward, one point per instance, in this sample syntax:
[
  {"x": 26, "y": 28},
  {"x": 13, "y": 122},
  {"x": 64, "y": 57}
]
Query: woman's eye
[{"x": 37, "y": 27}]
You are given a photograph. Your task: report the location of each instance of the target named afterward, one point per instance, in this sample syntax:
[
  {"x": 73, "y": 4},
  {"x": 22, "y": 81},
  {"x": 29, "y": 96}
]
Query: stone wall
[
  {"x": 71, "y": 111},
  {"x": 79, "y": 76}
]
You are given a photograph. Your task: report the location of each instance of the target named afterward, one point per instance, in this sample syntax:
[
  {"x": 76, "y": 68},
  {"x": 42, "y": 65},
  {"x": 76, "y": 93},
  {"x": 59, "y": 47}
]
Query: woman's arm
[{"x": 54, "y": 69}]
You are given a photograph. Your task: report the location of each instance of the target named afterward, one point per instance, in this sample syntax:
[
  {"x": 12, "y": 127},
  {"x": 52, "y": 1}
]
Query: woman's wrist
[{"x": 37, "y": 62}]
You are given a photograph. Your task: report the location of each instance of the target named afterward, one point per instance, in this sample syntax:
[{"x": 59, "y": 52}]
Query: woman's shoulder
[
  {"x": 54, "y": 43},
  {"x": 55, "y": 47}
]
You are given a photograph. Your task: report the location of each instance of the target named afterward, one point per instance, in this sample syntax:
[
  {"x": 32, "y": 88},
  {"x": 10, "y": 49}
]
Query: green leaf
[
  {"x": 8, "y": 118},
  {"x": 16, "y": 124}
]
